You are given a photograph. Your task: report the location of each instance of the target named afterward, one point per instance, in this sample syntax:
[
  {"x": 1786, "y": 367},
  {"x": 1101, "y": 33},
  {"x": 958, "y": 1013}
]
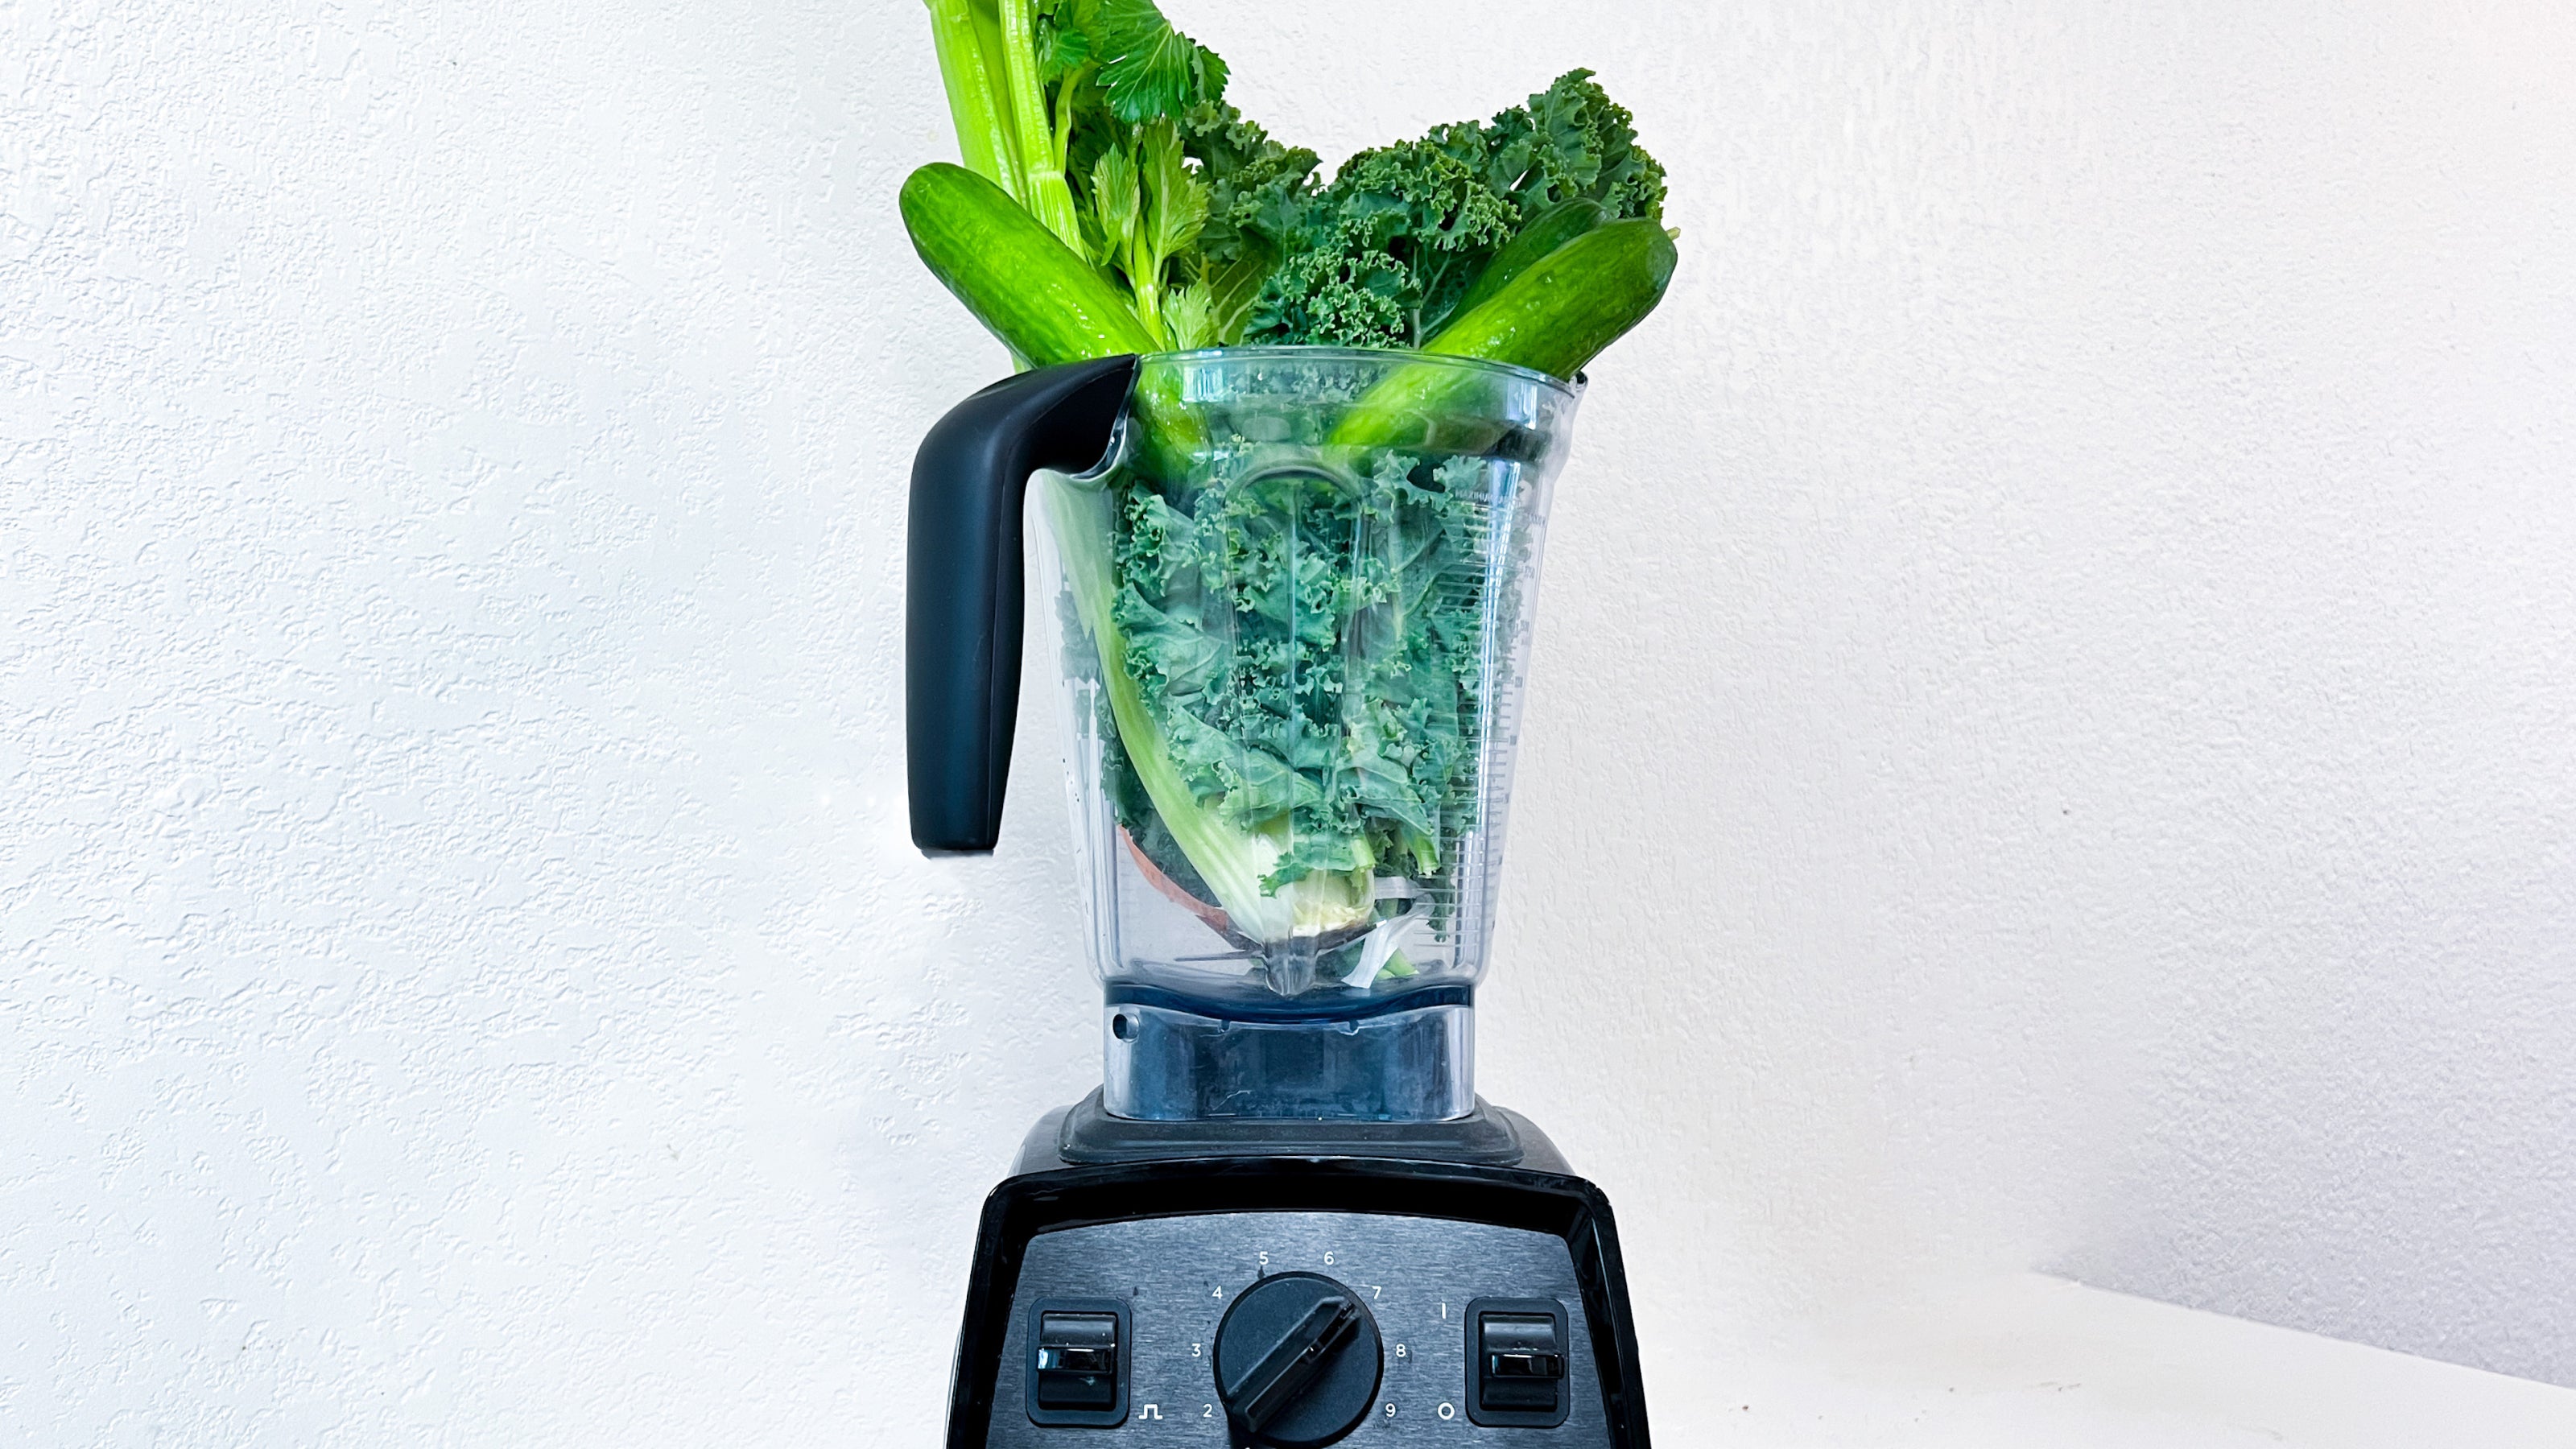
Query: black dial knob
[{"x": 1296, "y": 1362}]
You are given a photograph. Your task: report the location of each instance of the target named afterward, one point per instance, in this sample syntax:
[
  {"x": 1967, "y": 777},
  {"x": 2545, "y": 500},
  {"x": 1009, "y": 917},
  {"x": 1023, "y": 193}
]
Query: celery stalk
[
  {"x": 1042, "y": 187},
  {"x": 970, "y": 69}
]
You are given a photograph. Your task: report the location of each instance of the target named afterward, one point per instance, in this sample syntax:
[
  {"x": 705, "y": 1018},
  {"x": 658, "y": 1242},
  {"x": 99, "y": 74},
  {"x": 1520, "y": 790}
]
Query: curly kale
[
  {"x": 1382, "y": 255},
  {"x": 1254, "y": 184},
  {"x": 1572, "y": 142},
  {"x": 1399, "y": 230},
  {"x": 1310, "y": 645}
]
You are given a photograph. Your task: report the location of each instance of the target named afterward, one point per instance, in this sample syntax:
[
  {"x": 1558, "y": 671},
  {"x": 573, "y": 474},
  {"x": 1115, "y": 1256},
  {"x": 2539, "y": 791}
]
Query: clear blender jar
[{"x": 1293, "y": 609}]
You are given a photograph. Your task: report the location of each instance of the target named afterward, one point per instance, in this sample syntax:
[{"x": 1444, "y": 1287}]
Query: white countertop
[{"x": 2036, "y": 1361}]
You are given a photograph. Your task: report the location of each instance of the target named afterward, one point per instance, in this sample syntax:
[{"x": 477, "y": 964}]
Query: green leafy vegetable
[
  {"x": 1572, "y": 141},
  {"x": 1401, "y": 231},
  {"x": 1148, "y": 69},
  {"x": 1110, "y": 127},
  {"x": 1253, "y": 183},
  {"x": 1383, "y": 256}
]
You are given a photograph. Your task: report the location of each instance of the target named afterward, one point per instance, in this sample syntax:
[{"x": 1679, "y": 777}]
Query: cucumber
[
  {"x": 1025, "y": 286},
  {"x": 1571, "y": 303},
  {"x": 1552, "y": 318},
  {"x": 1546, "y": 232}
]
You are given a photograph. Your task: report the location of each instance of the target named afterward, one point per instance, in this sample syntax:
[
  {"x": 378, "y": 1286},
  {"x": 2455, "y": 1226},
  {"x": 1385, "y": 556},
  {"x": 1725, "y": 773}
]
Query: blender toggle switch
[
  {"x": 1077, "y": 1361},
  {"x": 1520, "y": 1364}
]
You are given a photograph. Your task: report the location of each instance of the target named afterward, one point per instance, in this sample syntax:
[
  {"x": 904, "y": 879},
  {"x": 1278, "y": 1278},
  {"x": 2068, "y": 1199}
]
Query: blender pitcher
[{"x": 1292, "y": 589}]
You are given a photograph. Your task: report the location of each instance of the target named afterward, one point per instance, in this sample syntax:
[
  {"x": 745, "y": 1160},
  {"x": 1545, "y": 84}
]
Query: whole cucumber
[
  {"x": 1546, "y": 232},
  {"x": 1552, "y": 318},
  {"x": 1571, "y": 303},
  {"x": 1025, "y": 286}
]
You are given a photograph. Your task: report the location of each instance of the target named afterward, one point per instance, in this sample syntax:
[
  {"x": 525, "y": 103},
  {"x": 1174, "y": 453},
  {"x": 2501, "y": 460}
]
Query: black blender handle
[{"x": 962, "y": 600}]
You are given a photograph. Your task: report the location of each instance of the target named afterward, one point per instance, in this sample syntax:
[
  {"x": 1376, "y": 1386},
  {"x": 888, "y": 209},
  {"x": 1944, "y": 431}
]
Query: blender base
[{"x": 1286, "y": 1284}]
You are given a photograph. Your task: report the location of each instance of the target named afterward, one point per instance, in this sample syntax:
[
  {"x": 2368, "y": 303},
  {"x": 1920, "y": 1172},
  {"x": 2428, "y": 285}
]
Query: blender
[{"x": 1291, "y": 591}]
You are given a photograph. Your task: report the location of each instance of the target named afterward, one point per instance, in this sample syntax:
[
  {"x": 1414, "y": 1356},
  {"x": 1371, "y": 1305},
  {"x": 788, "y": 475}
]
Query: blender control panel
[{"x": 1295, "y": 1329}]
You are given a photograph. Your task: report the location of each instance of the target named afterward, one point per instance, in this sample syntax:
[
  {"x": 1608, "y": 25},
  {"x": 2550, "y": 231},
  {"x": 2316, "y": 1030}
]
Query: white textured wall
[{"x": 2056, "y": 738}]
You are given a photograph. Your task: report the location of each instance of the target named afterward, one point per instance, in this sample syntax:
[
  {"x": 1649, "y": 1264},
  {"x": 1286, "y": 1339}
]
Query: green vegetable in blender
[
  {"x": 1570, "y": 304},
  {"x": 1018, "y": 280},
  {"x": 1111, "y": 201},
  {"x": 1294, "y": 690},
  {"x": 1555, "y": 316},
  {"x": 1546, "y": 232},
  {"x": 1110, "y": 128},
  {"x": 1384, "y": 255}
]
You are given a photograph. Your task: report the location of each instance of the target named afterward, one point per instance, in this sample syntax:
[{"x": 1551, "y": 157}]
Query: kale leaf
[
  {"x": 1254, "y": 184},
  {"x": 1400, "y": 228},
  {"x": 1572, "y": 142},
  {"x": 1381, "y": 256}
]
